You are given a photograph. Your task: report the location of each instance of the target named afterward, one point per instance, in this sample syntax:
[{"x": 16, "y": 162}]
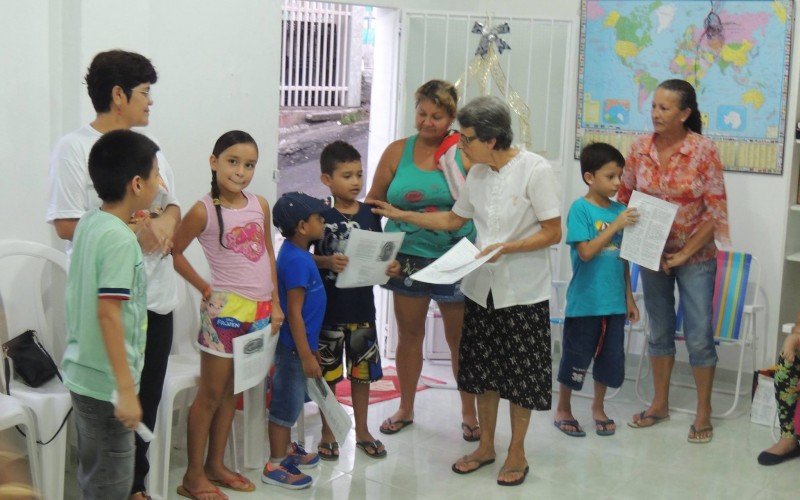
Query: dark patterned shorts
[{"x": 508, "y": 351}]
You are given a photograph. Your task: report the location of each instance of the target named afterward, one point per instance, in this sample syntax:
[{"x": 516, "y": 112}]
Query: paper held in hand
[
  {"x": 337, "y": 418},
  {"x": 643, "y": 242},
  {"x": 369, "y": 253},
  {"x": 253, "y": 355},
  {"x": 456, "y": 263}
]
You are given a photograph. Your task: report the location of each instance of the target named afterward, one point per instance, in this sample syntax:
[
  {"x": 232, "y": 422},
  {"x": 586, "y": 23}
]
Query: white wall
[
  {"x": 24, "y": 118},
  {"x": 218, "y": 66}
]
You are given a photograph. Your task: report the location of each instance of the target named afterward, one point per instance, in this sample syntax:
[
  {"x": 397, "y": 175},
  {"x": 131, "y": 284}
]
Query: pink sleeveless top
[{"x": 242, "y": 266}]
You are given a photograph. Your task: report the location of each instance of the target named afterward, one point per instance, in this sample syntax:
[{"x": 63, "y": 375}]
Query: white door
[{"x": 539, "y": 67}]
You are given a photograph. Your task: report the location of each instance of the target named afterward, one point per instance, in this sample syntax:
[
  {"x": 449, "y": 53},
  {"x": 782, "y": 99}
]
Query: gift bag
[{"x": 763, "y": 409}]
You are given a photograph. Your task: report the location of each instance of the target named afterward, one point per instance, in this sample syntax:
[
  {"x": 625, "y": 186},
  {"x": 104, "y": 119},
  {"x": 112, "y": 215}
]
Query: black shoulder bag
[{"x": 32, "y": 364}]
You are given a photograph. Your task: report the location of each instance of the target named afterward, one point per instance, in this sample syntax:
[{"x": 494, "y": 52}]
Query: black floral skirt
[{"x": 508, "y": 351}]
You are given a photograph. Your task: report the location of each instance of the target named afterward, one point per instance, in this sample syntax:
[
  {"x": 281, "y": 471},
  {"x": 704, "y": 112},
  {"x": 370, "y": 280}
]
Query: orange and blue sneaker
[
  {"x": 285, "y": 475},
  {"x": 300, "y": 458}
]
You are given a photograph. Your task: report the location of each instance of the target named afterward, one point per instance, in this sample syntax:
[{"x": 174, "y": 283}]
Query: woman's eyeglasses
[{"x": 466, "y": 140}]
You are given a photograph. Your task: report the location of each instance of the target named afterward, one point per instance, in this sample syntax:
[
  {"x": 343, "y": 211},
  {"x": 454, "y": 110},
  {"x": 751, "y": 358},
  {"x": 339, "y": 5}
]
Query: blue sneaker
[
  {"x": 300, "y": 458},
  {"x": 285, "y": 475}
]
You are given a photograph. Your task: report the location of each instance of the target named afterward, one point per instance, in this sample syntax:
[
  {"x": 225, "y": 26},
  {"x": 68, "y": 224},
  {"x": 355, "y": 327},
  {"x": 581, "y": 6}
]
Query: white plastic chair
[
  {"x": 12, "y": 414},
  {"x": 735, "y": 309},
  {"x": 32, "y": 287}
]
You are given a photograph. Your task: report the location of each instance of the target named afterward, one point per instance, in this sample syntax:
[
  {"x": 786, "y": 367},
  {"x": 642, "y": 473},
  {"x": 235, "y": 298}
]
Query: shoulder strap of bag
[{"x": 52, "y": 362}]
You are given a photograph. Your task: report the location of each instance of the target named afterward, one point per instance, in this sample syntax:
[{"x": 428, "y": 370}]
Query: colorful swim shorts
[
  {"x": 360, "y": 342},
  {"x": 225, "y": 316}
]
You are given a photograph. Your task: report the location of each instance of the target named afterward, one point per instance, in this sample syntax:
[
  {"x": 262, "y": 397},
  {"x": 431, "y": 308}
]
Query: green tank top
[{"x": 423, "y": 191}]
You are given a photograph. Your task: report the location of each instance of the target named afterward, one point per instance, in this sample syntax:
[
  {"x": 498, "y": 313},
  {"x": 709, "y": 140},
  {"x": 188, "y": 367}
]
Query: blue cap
[{"x": 293, "y": 207}]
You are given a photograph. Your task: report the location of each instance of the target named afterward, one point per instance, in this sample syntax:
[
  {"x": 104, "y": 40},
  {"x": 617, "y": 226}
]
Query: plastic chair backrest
[
  {"x": 730, "y": 290},
  {"x": 634, "y": 268},
  {"x": 32, "y": 286}
]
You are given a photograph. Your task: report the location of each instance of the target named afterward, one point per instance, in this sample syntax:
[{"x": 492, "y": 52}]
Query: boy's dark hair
[
  {"x": 116, "y": 158},
  {"x": 597, "y": 154},
  {"x": 226, "y": 140},
  {"x": 116, "y": 67},
  {"x": 335, "y": 153}
]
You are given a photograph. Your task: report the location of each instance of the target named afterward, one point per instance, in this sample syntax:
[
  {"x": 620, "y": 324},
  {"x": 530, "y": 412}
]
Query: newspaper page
[
  {"x": 456, "y": 263},
  {"x": 253, "y": 355},
  {"x": 369, "y": 255},
  {"x": 643, "y": 242},
  {"x": 337, "y": 418}
]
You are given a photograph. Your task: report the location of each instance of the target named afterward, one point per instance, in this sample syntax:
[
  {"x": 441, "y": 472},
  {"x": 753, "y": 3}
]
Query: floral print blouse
[{"x": 692, "y": 180}]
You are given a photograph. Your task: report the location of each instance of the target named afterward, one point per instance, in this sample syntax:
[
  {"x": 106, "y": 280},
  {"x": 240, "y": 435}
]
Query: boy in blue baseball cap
[{"x": 302, "y": 298}]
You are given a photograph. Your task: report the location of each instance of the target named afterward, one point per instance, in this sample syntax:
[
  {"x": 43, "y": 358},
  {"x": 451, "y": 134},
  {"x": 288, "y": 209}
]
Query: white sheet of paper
[
  {"x": 253, "y": 355},
  {"x": 644, "y": 241},
  {"x": 456, "y": 263},
  {"x": 369, "y": 254},
  {"x": 338, "y": 419}
]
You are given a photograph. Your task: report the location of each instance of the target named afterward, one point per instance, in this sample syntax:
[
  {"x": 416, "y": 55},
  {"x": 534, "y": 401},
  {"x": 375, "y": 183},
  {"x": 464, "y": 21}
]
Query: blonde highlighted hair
[{"x": 441, "y": 93}]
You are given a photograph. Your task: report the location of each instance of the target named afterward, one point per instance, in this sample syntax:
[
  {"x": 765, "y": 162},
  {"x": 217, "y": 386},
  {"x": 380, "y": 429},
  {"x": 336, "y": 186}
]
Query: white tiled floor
[{"x": 633, "y": 464}]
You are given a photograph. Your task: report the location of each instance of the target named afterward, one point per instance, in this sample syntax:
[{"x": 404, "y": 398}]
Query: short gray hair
[{"x": 491, "y": 119}]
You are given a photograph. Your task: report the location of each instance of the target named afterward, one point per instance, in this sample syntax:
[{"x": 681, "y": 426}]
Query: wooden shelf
[{"x": 794, "y": 257}]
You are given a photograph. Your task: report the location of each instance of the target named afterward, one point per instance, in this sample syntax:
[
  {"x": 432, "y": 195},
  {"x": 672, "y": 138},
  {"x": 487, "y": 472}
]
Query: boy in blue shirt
[
  {"x": 599, "y": 297},
  {"x": 349, "y": 324},
  {"x": 106, "y": 308},
  {"x": 302, "y": 297}
]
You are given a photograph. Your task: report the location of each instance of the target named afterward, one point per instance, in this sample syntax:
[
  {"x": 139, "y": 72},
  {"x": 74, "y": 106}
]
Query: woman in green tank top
[{"x": 408, "y": 177}]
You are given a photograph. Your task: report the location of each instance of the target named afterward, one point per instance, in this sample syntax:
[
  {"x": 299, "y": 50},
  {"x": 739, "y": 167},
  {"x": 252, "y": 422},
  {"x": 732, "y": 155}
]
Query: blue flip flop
[
  {"x": 601, "y": 427},
  {"x": 574, "y": 423}
]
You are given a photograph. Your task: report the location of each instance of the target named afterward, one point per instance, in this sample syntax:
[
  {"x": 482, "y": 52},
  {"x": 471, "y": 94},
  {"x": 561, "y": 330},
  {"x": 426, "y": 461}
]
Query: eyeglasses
[
  {"x": 147, "y": 93},
  {"x": 466, "y": 140}
]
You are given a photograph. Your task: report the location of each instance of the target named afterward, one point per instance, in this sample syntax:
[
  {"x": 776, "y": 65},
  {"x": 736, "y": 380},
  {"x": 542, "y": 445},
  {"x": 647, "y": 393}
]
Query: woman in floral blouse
[{"x": 677, "y": 164}]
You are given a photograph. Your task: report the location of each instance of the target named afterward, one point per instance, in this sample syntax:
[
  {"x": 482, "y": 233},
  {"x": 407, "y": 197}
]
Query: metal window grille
[{"x": 314, "y": 50}]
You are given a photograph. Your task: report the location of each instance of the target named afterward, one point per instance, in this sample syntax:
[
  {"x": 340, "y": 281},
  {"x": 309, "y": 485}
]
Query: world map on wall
[{"x": 735, "y": 53}]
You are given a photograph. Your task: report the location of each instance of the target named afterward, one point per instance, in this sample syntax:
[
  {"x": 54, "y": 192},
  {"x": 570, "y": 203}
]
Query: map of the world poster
[{"x": 735, "y": 53}]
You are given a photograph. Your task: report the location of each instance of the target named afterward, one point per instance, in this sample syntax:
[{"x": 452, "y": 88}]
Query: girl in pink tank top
[{"x": 233, "y": 227}]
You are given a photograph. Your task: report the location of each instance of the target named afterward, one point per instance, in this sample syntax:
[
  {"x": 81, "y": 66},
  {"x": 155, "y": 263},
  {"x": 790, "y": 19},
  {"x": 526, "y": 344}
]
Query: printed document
[
  {"x": 337, "y": 418},
  {"x": 369, "y": 255},
  {"x": 253, "y": 355},
  {"x": 458, "y": 262},
  {"x": 644, "y": 241}
]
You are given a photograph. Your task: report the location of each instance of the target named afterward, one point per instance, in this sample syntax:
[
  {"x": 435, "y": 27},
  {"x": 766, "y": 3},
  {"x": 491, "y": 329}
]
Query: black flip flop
[
  {"x": 471, "y": 438},
  {"x": 515, "y": 482},
  {"x": 371, "y": 445},
  {"x": 331, "y": 447},
  {"x": 402, "y": 423},
  {"x": 466, "y": 460}
]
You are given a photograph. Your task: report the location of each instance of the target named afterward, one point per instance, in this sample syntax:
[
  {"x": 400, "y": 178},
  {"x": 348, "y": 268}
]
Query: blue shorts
[
  {"x": 288, "y": 387},
  {"x": 581, "y": 339},
  {"x": 409, "y": 264}
]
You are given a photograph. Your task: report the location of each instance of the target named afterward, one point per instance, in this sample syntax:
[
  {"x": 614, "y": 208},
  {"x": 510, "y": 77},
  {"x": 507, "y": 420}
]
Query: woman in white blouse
[{"x": 512, "y": 197}]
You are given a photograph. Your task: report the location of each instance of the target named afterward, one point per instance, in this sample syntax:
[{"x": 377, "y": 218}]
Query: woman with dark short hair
[{"x": 120, "y": 85}]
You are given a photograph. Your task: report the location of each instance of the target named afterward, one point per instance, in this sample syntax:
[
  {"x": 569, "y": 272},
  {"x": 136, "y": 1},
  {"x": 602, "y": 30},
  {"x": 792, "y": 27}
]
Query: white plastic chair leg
[{"x": 53, "y": 458}]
